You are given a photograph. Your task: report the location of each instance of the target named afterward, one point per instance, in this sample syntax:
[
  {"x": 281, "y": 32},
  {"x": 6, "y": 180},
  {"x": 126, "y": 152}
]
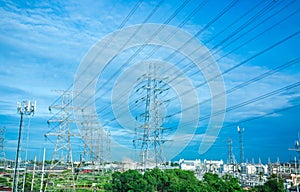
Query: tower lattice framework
[
  {"x": 62, "y": 154},
  {"x": 2, "y": 151},
  {"x": 149, "y": 136}
]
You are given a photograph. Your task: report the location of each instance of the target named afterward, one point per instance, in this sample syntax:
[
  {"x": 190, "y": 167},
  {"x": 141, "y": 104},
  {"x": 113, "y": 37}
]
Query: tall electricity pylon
[
  {"x": 95, "y": 139},
  {"x": 62, "y": 131},
  {"x": 2, "y": 152},
  {"x": 230, "y": 157},
  {"x": 241, "y": 138},
  {"x": 149, "y": 136},
  {"x": 297, "y": 147}
]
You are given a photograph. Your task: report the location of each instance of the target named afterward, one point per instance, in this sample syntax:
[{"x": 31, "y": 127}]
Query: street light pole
[{"x": 27, "y": 108}]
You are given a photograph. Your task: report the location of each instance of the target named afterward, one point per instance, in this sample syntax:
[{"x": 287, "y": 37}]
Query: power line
[
  {"x": 122, "y": 24},
  {"x": 250, "y": 58},
  {"x": 250, "y": 101},
  {"x": 252, "y": 19},
  {"x": 263, "y": 116},
  {"x": 224, "y": 11}
]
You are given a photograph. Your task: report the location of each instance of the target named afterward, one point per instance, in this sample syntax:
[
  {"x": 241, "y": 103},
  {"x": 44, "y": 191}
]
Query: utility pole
[
  {"x": 23, "y": 108},
  {"x": 33, "y": 174},
  {"x": 43, "y": 170},
  {"x": 296, "y": 175}
]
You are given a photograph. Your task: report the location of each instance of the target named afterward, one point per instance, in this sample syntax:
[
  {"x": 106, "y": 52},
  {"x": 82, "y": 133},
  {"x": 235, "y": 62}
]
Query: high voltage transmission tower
[
  {"x": 108, "y": 143},
  {"x": 62, "y": 153},
  {"x": 95, "y": 139},
  {"x": 297, "y": 147},
  {"x": 241, "y": 139},
  {"x": 149, "y": 136},
  {"x": 2, "y": 152},
  {"x": 230, "y": 158}
]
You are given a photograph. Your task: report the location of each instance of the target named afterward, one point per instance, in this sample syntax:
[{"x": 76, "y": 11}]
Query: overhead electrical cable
[
  {"x": 250, "y": 101},
  {"x": 254, "y": 17},
  {"x": 225, "y": 10}
]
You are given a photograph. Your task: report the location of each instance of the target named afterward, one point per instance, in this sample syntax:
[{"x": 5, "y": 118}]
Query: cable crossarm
[
  {"x": 252, "y": 19},
  {"x": 240, "y": 105},
  {"x": 237, "y": 87},
  {"x": 169, "y": 37},
  {"x": 131, "y": 13},
  {"x": 258, "y": 16},
  {"x": 167, "y": 21},
  {"x": 271, "y": 47},
  {"x": 122, "y": 47}
]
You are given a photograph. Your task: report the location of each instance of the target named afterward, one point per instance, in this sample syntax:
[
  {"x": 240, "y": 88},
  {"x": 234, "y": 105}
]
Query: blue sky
[{"x": 43, "y": 43}]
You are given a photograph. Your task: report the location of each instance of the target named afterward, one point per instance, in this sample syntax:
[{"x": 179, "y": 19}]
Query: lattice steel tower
[
  {"x": 62, "y": 131},
  {"x": 241, "y": 138},
  {"x": 149, "y": 136},
  {"x": 2, "y": 152},
  {"x": 230, "y": 157}
]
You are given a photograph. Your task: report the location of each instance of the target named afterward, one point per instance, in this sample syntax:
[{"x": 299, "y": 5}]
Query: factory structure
[{"x": 249, "y": 174}]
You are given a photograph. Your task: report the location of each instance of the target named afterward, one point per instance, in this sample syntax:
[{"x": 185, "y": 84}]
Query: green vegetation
[
  {"x": 183, "y": 181},
  {"x": 171, "y": 180},
  {"x": 154, "y": 180},
  {"x": 273, "y": 184}
]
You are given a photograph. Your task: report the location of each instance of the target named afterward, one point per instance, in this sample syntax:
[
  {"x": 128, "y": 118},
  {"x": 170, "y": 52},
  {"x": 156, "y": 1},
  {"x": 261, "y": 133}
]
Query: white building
[
  {"x": 230, "y": 168},
  {"x": 213, "y": 166},
  {"x": 191, "y": 165}
]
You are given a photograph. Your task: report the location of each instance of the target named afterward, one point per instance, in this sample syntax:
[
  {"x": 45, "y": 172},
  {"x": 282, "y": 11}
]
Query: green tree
[
  {"x": 231, "y": 184},
  {"x": 130, "y": 180},
  {"x": 273, "y": 184},
  {"x": 227, "y": 183},
  {"x": 213, "y": 181},
  {"x": 154, "y": 179}
]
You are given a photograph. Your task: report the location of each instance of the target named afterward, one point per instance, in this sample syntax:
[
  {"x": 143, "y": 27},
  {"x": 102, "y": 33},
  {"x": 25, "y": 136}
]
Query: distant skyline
[{"x": 255, "y": 45}]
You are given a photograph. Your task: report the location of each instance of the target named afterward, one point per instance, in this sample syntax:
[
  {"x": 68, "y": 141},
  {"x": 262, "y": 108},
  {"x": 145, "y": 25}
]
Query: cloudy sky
[{"x": 254, "y": 44}]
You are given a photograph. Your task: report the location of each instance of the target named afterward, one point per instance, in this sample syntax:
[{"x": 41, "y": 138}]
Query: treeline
[
  {"x": 180, "y": 180},
  {"x": 170, "y": 180}
]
